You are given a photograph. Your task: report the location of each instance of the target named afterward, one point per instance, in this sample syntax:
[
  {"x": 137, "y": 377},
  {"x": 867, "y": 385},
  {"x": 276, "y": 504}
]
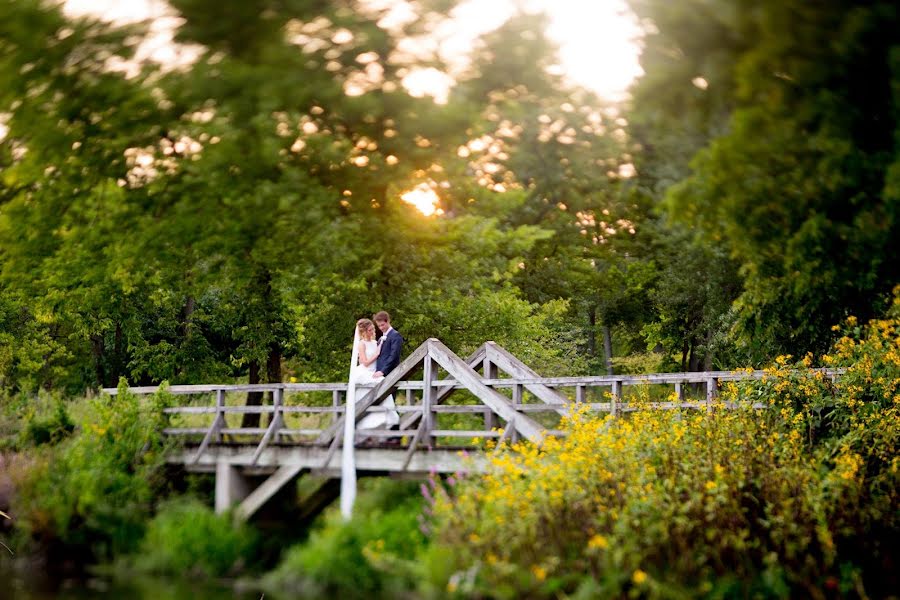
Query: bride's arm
[{"x": 365, "y": 360}]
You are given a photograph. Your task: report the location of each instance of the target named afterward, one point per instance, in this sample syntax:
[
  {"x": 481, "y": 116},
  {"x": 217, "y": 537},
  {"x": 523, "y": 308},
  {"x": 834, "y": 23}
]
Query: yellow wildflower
[
  {"x": 598, "y": 541},
  {"x": 639, "y": 577},
  {"x": 539, "y": 572}
]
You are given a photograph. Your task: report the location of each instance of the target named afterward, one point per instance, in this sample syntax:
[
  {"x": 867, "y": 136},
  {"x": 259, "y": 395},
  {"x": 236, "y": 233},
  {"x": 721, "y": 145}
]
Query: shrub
[
  {"x": 791, "y": 499},
  {"x": 343, "y": 558},
  {"x": 93, "y": 492},
  {"x": 48, "y": 429},
  {"x": 186, "y": 536}
]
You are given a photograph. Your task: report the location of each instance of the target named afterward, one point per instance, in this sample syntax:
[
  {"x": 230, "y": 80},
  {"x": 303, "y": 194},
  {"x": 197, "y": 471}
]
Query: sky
[{"x": 597, "y": 38}]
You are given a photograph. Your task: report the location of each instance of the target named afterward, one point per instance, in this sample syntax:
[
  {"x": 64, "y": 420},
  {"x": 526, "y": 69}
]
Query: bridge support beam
[
  {"x": 268, "y": 488},
  {"x": 231, "y": 486}
]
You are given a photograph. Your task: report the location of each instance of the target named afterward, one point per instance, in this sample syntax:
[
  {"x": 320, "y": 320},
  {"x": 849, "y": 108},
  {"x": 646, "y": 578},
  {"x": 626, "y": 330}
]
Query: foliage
[
  {"x": 791, "y": 499},
  {"x": 345, "y": 558},
  {"x": 48, "y": 429},
  {"x": 93, "y": 491},
  {"x": 787, "y": 115},
  {"x": 186, "y": 536}
]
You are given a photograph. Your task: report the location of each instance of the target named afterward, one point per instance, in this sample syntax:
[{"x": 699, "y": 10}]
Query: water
[{"x": 37, "y": 587}]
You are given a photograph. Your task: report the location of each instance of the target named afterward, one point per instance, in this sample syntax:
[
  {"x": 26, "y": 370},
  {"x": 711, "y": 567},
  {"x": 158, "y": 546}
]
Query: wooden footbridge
[{"x": 444, "y": 403}]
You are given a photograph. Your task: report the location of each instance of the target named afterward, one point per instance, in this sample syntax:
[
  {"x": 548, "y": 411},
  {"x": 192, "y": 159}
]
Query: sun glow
[{"x": 424, "y": 198}]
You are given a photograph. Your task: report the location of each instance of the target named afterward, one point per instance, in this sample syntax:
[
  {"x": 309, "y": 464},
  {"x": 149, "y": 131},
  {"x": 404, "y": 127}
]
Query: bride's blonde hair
[{"x": 366, "y": 329}]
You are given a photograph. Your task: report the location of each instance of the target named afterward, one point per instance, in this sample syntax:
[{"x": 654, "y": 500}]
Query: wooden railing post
[
  {"x": 274, "y": 425},
  {"x": 616, "y": 397},
  {"x": 220, "y": 416},
  {"x": 711, "y": 384},
  {"x": 518, "y": 391},
  {"x": 428, "y": 399},
  {"x": 579, "y": 394},
  {"x": 335, "y": 403},
  {"x": 490, "y": 372}
]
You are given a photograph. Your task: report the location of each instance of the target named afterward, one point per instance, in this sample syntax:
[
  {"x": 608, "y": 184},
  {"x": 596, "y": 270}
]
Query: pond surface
[{"x": 37, "y": 587}]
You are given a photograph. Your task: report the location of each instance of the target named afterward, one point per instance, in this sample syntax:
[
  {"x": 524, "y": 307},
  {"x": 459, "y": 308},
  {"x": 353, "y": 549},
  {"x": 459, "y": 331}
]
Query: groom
[{"x": 391, "y": 345}]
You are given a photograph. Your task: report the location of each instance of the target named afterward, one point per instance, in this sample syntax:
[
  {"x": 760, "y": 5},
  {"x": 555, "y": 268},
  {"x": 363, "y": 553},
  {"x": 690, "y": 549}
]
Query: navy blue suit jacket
[{"x": 391, "y": 348}]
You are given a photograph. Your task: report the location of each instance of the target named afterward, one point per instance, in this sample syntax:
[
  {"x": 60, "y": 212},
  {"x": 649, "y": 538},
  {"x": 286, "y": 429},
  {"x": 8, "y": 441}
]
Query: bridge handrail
[{"x": 699, "y": 377}]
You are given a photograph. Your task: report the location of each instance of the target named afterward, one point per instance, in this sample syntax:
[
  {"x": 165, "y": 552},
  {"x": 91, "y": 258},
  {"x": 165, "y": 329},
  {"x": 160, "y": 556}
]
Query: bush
[
  {"x": 344, "y": 558},
  {"x": 790, "y": 500},
  {"x": 186, "y": 536},
  {"x": 93, "y": 492},
  {"x": 47, "y": 429}
]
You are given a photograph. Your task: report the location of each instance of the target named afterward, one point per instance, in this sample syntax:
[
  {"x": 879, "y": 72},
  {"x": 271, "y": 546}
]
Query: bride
[{"x": 364, "y": 374}]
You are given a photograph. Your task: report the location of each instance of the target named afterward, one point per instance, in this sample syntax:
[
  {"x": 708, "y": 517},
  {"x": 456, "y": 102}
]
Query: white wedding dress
[{"x": 365, "y": 376}]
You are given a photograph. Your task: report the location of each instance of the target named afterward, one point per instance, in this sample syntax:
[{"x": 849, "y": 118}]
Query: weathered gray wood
[
  {"x": 313, "y": 409},
  {"x": 231, "y": 485},
  {"x": 274, "y": 426},
  {"x": 590, "y": 381},
  {"x": 516, "y": 369},
  {"x": 413, "y": 443},
  {"x": 679, "y": 391},
  {"x": 467, "y": 376},
  {"x": 517, "y": 402},
  {"x": 710, "y": 393},
  {"x": 213, "y": 433},
  {"x": 473, "y": 361},
  {"x": 579, "y": 394},
  {"x": 271, "y": 486},
  {"x": 616, "y": 397},
  {"x": 335, "y": 404},
  {"x": 368, "y": 460},
  {"x": 427, "y": 398},
  {"x": 464, "y": 433}
]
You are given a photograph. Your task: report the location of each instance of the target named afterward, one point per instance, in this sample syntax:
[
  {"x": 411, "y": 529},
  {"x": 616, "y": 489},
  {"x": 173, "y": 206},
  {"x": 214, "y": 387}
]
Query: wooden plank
[
  {"x": 185, "y": 430},
  {"x": 372, "y": 460},
  {"x": 516, "y": 369},
  {"x": 271, "y": 486},
  {"x": 592, "y": 381},
  {"x": 312, "y": 409},
  {"x": 616, "y": 397},
  {"x": 467, "y": 376},
  {"x": 464, "y": 433},
  {"x": 473, "y": 361},
  {"x": 275, "y": 425},
  {"x": 710, "y": 393},
  {"x": 518, "y": 392},
  {"x": 412, "y": 445},
  {"x": 335, "y": 404},
  {"x": 214, "y": 429},
  {"x": 243, "y": 430},
  {"x": 428, "y": 398},
  {"x": 579, "y": 394}
]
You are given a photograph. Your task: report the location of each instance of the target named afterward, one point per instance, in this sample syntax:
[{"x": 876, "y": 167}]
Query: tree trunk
[
  {"x": 273, "y": 368},
  {"x": 592, "y": 333},
  {"x": 253, "y": 398},
  {"x": 708, "y": 355},
  {"x": 607, "y": 349},
  {"x": 98, "y": 350}
]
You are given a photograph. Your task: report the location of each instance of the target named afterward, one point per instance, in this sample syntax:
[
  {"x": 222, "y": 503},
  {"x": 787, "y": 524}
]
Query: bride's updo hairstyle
[{"x": 366, "y": 328}]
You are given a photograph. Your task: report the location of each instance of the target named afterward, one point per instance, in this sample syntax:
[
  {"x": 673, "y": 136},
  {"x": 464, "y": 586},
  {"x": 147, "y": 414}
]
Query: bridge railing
[{"x": 413, "y": 397}]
